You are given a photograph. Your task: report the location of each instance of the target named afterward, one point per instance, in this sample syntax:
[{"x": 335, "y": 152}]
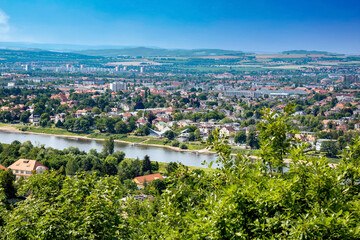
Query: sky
[{"x": 252, "y": 25}]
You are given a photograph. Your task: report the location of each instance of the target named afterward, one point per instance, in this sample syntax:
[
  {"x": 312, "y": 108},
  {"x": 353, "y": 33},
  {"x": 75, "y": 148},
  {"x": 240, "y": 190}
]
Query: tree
[
  {"x": 142, "y": 131},
  {"x": 7, "y": 179},
  {"x": 119, "y": 155},
  {"x": 171, "y": 167},
  {"x": 109, "y": 166},
  {"x": 44, "y": 119},
  {"x": 169, "y": 134},
  {"x": 240, "y": 137},
  {"x": 159, "y": 185},
  {"x": 96, "y": 110},
  {"x": 71, "y": 167},
  {"x": 146, "y": 165},
  {"x": 252, "y": 140},
  {"x": 276, "y": 137},
  {"x": 108, "y": 146},
  {"x": 197, "y": 134},
  {"x": 24, "y": 117},
  {"x": 329, "y": 148},
  {"x": 121, "y": 127},
  {"x": 341, "y": 142}
]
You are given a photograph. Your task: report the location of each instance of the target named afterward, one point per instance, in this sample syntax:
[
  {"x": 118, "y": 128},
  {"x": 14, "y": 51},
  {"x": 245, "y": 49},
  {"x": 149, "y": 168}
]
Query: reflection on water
[{"x": 131, "y": 151}]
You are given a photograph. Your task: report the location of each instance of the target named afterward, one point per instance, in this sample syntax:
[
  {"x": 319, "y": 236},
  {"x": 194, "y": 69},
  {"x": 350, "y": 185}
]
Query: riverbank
[{"x": 16, "y": 128}]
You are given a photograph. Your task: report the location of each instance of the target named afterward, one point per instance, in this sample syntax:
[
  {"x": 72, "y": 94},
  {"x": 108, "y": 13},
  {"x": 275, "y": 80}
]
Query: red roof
[
  {"x": 2, "y": 167},
  {"x": 148, "y": 178}
]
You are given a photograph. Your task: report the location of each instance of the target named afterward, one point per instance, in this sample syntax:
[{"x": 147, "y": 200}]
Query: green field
[
  {"x": 156, "y": 141},
  {"x": 197, "y": 146},
  {"x": 57, "y": 131}
]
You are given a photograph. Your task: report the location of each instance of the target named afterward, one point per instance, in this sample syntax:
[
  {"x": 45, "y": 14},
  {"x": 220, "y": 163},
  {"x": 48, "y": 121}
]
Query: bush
[
  {"x": 183, "y": 146},
  {"x": 175, "y": 143}
]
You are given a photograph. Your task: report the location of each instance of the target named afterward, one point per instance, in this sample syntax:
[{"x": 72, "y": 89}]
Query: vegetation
[{"x": 241, "y": 199}]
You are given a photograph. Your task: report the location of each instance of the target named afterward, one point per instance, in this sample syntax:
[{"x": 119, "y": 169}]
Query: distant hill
[
  {"x": 306, "y": 52},
  {"x": 158, "y": 52},
  {"x": 55, "y": 47},
  {"x": 12, "y": 55}
]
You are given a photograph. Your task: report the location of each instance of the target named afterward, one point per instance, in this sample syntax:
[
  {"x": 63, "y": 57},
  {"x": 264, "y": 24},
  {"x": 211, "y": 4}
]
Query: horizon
[
  {"x": 260, "y": 26},
  {"x": 69, "y": 47}
]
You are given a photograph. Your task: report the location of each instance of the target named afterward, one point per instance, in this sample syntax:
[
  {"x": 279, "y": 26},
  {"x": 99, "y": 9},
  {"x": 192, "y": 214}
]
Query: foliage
[
  {"x": 240, "y": 199},
  {"x": 108, "y": 146},
  {"x": 276, "y": 137},
  {"x": 329, "y": 148},
  {"x": 240, "y": 137}
]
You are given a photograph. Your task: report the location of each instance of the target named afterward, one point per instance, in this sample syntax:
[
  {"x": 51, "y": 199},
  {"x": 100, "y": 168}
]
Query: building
[
  {"x": 117, "y": 86},
  {"x": 34, "y": 119},
  {"x": 25, "y": 168},
  {"x": 147, "y": 178}
]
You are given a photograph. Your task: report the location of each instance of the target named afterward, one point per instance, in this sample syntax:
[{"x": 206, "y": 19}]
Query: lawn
[
  {"x": 58, "y": 131},
  {"x": 132, "y": 139},
  {"x": 235, "y": 150},
  {"x": 199, "y": 146},
  {"x": 156, "y": 141}
]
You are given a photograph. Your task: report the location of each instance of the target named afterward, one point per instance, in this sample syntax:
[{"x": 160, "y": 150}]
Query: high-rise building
[{"x": 116, "y": 86}]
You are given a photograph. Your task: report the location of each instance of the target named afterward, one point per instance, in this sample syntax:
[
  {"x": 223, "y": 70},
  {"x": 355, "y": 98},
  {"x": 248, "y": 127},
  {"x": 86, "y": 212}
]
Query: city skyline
[{"x": 259, "y": 26}]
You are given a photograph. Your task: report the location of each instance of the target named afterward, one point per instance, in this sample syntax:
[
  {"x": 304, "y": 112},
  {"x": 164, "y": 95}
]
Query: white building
[{"x": 116, "y": 86}]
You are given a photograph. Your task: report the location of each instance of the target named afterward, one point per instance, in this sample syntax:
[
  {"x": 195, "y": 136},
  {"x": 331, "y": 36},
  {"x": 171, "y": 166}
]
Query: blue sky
[{"x": 262, "y": 26}]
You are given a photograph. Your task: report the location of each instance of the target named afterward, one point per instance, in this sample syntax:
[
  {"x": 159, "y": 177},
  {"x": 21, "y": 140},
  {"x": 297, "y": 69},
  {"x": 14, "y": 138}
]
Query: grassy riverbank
[{"x": 150, "y": 141}]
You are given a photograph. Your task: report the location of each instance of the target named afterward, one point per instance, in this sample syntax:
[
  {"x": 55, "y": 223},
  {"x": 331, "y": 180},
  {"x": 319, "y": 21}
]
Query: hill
[
  {"x": 11, "y": 55},
  {"x": 306, "y": 52},
  {"x": 157, "y": 52}
]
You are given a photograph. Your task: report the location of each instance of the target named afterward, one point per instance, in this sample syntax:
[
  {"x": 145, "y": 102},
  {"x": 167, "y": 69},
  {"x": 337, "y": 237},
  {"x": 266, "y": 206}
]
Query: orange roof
[
  {"x": 148, "y": 178},
  {"x": 2, "y": 167},
  {"x": 26, "y": 165}
]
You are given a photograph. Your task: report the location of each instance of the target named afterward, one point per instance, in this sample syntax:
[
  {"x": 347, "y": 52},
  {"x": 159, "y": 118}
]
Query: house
[
  {"x": 126, "y": 116},
  {"x": 139, "y": 197},
  {"x": 60, "y": 117},
  {"x": 147, "y": 178},
  {"x": 226, "y": 131},
  {"x": 25, "y": 168},
  {"x": 34, "y": 119},
  {"x": 140, "y": 122}
]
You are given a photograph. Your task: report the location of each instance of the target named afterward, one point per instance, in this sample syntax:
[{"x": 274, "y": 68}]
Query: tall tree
[
  {"x": 108, "y": 146},
  {"x": 146, "y": 165}
]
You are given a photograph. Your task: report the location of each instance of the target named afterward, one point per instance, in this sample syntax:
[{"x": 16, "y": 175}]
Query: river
[{"x": 132, "y": 151}]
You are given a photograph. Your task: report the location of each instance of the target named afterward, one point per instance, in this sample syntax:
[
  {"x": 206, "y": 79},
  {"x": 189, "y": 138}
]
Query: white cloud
[{"x": 4, "y": 23}]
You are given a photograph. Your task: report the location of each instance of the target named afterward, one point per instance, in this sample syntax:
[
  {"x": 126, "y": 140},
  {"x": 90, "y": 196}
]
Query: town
[
  {"x": 179, "y": 119},
  {"x": 179, "y": 101}
]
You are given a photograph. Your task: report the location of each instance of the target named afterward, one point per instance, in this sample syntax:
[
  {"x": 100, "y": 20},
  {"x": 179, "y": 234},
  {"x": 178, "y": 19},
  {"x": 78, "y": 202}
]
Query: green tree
[
  {"x": 24, "y": 117},
  {"x": 169, "y": 134},
  {"x": 7, "y": 180},
  {"x": 240, "y": 137},
  {"x": 146, "y": 165},
  {"x": 71, "y": 167},
  {"x": 252, "y": 140},
  {"x": 329, "y": 148},
  {"x": 276, "y": 137},
  {"x": 108, "y": 146}
]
